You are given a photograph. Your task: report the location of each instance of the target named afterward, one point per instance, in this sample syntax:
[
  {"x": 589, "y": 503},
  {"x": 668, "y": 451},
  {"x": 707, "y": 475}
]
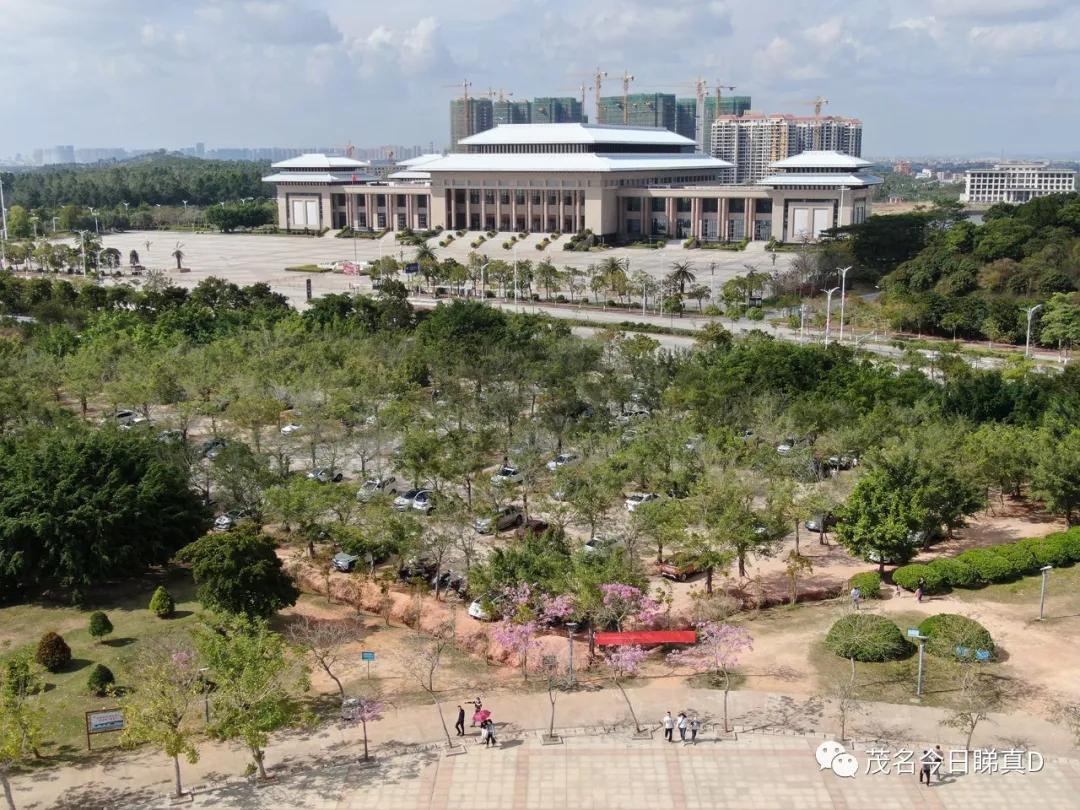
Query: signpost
[
  {"x": 367, "y": 656},
  {"x": 915, "y": 634},
  {"x": 103, "y": 721}
]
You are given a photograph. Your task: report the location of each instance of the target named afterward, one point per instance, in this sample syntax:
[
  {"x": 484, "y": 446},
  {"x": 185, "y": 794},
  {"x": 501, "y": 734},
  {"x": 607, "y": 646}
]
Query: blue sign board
[
  {"x": 412, "y": 267},
  {"x": 367, "y": 655}
]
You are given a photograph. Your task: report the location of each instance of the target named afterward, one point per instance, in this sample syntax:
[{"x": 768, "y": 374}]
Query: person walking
[
  {"x": 459, "y": 726},
  {"x": 695, "y": 727},
  {"x": 483, "y": 733},
  {"x": 926, "y": 764},
  {"x": 681, "y": 723},
  {"x": 477, "y": 706},
  {"x": 668, "y": 723},
  {"x": 939, "y": 759},
  {"x": 856, "y": 597},
  {"x": 491, "y": 741},
  {"x": 918, "y": 594}
]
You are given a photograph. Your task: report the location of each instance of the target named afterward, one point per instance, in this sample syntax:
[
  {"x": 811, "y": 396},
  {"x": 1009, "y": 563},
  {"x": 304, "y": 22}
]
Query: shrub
[
  {"x": 1018, "y": 555},
  {"x": 954, "y": 573},
  {"x": 100, "y": 680},
  {"x": 756, "y": 314},
  {"x": 162, "y": 604},
  {"x": 100, "y": 626},
  {"x": 866, "y": 637},
  {"x": 1048, "y": 551},
  {"x": 1070, "y": 543},
  {"x": 868, "y": 583},
  {"x": 908, "y": 576},
  {"x": 947, "y": 631},
  {"x": 989, "y": 566},
  {"x": 53, "y": 653}
]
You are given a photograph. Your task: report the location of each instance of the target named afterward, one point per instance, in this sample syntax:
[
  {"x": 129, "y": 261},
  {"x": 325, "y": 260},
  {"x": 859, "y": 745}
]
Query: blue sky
[{"x": 972, "y": 77}]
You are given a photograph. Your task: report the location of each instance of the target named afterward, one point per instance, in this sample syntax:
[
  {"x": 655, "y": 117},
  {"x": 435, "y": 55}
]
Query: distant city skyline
[{"x": 966, "y": 77}]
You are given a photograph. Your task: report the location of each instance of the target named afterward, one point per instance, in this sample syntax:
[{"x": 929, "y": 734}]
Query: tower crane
[{"x": 817, "y": 103}]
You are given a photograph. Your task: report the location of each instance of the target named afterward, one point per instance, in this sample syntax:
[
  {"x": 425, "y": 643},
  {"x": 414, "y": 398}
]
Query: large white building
[
  {"x": 1016, "y": 182},
  {"x": 752, "y": 141},
  {"x": 621, "y": 183}
]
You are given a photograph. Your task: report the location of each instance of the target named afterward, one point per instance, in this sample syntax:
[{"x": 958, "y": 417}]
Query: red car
[{"x": 677, "y": 569}]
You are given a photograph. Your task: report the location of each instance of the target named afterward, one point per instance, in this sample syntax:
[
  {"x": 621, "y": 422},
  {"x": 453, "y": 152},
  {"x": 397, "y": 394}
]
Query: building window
[
  {"x": 382, "y": 221},
  {"x": 361, "y": 220},
  {"x": 536, "y": 198},
  {"x": 504, "y": 199},
  {"x": 489, "y": 198},
  {"x": 658, "y": 205},
  {"x": 553, "y": 199},
  {"x": 682, "y": 205},
  {"x": 361, "y": 201},
  {"x": 401, "y": 222},
  {"x": 474, "y": 197},
  {"x": 401, "y": 200},
  {"x": 633, "y": 204},
  {"x": 519, "y": 197},
  {"x": 421, "y": 220},
  {"x": 421, "y": 202}
]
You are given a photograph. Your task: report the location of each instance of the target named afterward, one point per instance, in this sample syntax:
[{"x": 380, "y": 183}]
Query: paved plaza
[{"x": 614, "y": 771}]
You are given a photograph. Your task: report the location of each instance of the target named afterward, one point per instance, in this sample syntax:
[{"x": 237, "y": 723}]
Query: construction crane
[
  {"x": 720, "y": 87},
  {"x": 817, "y": 102},
  {"x": 501, "y": 94},
  {"x": 626, "y": 79},
  {"x": 581, "y": 88},
  {"x": 464, "y": 84},
  {"x": 598, "y": 80},
  {"x": 348, "y": 149}
]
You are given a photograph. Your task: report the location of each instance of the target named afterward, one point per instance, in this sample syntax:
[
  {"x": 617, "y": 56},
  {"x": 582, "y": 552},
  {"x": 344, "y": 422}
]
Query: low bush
[
  {"x": 101, "y": 680},
  {"x": 1069, "y": 543},
  {"x": 908, "y": 576},
  {"x": 866, "y": 636},
  {"x": 868, "y": 583},
  {"x": 162, "y": 603},
  {"x": 948, "y": 631},
  {"x": 954, "y": 573},
  {"x": 53, "y": 653},
  {"x": 100, "y": 626},
  {"x": 989, "y": 566},
  {"x": 1018, "y": 555}
]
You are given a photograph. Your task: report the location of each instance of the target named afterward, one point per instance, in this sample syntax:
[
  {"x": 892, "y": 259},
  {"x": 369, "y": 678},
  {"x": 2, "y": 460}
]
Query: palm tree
[
  {"x": 424, "y": 253},
  {"x": 682, "y": 274},
  {"x": 178, "y": 254}
]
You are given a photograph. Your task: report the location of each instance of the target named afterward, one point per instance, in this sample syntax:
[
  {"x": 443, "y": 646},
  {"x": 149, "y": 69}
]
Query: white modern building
[
  {"x": 1016, "y": 182},
  {"x": 620, "y": 182}
]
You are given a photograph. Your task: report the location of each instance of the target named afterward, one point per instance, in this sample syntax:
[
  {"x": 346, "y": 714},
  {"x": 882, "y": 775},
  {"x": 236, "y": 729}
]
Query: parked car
[
  {"x": 342, "y": 561},
  {"x": 503, "y": 518},
  {"x": 636, "y": 499},
  {"x": 506, "y": 475},
  {"x": 405, "y": 499},
  {"x": 324, "y": 475},
  {"x": 291, "y": 428},
  {"x": 424, "y": 501},
  {"x": 226, "y": 521},
  {"x": 212, "y": 447},
  {"x": 678, "y": 569},
  {"x": 417, "y": 568},
  {"x": 485, "y": 609},
  {"x": 532, "y": 526},
  {"x": 562, "y": 460},
  {"x": 599, "y": 543},
  {"x": 122, "y": 418},
  {"x": 820, "y": 524},
  {"x": 785, "y": 447},
  {"x": 841, "y": 462},
  {"x": 374, "y": 486},
  {"x": 451, "y": 581},
  {"x": 134, "y": 421}
]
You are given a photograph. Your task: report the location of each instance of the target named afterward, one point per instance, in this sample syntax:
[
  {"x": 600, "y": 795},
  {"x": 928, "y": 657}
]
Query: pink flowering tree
[
  {"x": 625, "y": 662},
  {"x": 559, "y": 608},
  {"x": 364, "y": 711},
  {"x": 717, "y": 652},
  {"x": 520, "y": 639},
  {"x": 621, "y": 604}
]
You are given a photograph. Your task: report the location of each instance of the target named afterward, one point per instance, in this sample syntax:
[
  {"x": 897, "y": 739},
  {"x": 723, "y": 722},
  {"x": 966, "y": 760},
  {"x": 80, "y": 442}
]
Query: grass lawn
[{"x": 66, "y": 697}]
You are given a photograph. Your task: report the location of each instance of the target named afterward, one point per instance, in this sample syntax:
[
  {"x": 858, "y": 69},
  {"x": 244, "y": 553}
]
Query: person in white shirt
[
  {"x": 668, "y": 723},
  {"x": 681, "y": 723}
]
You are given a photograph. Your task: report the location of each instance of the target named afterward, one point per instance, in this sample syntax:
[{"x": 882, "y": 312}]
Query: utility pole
[
  {"x": 1027, "y": 341},
  {"x": 828, "y": 313},
  {"x": 3, "y": 236},
  {"x": 598, "y": 80},
  {"x": 626, "y": 79},
  {"x": 843, "y": 271}
]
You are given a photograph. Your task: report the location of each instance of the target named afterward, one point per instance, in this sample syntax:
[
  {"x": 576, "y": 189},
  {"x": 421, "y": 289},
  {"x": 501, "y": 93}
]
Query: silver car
[{"x": 505, "y": 517}]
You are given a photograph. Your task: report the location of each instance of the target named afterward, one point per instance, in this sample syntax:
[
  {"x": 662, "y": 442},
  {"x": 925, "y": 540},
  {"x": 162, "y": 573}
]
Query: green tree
[
  {"x": 257, "y": 679},
  {"x": 100, "y": 626},
  {"x": 1056, "y": 477},
  {"x": 879, "y": 521},
  {"x": 239, "y": 572},
  {"x": 681, "y": 274},
  {"x": 20, "y": 737},
  {"x": 18, "y": 223},
  {"x": 162, "y": 603}
]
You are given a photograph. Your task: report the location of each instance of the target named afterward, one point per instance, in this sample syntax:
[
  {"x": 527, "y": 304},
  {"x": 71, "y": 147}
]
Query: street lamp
[
  {"x": 915, "y": 634},
  {"x": 1027, "y": 341},
  {"x": 4, "y": 233},
  {"x": 1045, "y": 570},
  {"x": 570, "y": 628},
  {"x": 843, "y": 271},
  {"x": 482, "y": 271},
  {"x": 828, "y": 313},
  {"x": 803, "y": 311},
  {"x": 515, "y": 274}
]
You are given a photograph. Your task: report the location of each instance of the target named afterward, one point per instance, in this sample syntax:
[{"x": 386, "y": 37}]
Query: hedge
[
  {"x": 982, "y": 566},
  {"x": 866, "y": 637},
  {"x": 947, "y": 631},
  {"x": 868, "y": 583}
]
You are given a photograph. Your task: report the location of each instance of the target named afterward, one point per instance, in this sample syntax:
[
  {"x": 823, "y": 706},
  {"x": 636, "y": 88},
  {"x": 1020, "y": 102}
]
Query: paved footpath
[{"x": 615, "y": 771}]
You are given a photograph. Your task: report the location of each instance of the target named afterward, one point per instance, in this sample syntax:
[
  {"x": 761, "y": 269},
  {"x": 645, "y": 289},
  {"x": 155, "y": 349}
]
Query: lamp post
[
  {"x": 515, "y": 274},
  {"x": 915, "y": 634},
  {"x": 803, "y": 310},
  {"x": 1045, "y": 570},
  {"x": 570, "y": 628},
  {"x": 1027, "y": 341},
  {"x": 843, "y": 271},
  {"x": 828, "y": 313},
  {"x": 3, "y": 234}
]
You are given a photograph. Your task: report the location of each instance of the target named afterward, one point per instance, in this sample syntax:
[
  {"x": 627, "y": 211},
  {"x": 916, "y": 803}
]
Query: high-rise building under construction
[
  {"x": 639, "y": 109},
  {"x": 557, "y": 110},
  {"x": 753, "y": 141},
  {"x": 469, "y": 116}
]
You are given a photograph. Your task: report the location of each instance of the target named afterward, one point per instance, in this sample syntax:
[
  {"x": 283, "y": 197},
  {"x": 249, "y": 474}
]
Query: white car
[
  {"x": 422, "y": 500},
  {"x": 290, "y": 429},
  {"x": 562, "y": 460},
  {"x": 137, "y": 419},
  {"x": 506, "y": 475},
  {"x": 374, "y": 486},
  {"x": 636, "y": 499},
  {"x": 476, "y": 610}
]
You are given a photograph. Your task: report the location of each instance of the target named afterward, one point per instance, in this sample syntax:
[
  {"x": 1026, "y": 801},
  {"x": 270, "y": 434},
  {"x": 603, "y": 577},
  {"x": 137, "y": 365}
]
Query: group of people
[
  {"x": 481, "y": 718},
  {"x": 683, "y": 723}
]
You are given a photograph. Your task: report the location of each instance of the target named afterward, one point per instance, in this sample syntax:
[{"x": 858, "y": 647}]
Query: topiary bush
[
  {"x": 948, "y": 631},
  {"x": 53, "y": 653},
  {"x": 1047, "y": 551},
  {"x": 100, "y": 626},
  {"x": 908, "y": 576},
  {"x": 989, "y": 566},
  {"x": 1069, "y": 542},
  {"x": 953, "y": 573},
  {"x": 1018, "y": 555},
  {"x": 162, "y": 604},
  {"x": 868, "y": 583},
  {"x": 866, "y": 637},
  {"x": 101, "y": 680}
]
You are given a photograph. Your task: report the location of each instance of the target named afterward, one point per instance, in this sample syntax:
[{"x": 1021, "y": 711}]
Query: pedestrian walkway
[{"x": 615, "y": 771}]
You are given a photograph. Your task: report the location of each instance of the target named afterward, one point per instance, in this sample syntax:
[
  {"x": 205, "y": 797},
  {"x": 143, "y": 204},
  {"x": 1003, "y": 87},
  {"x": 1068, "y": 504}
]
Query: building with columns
[{"x": 621, "y": 183}]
